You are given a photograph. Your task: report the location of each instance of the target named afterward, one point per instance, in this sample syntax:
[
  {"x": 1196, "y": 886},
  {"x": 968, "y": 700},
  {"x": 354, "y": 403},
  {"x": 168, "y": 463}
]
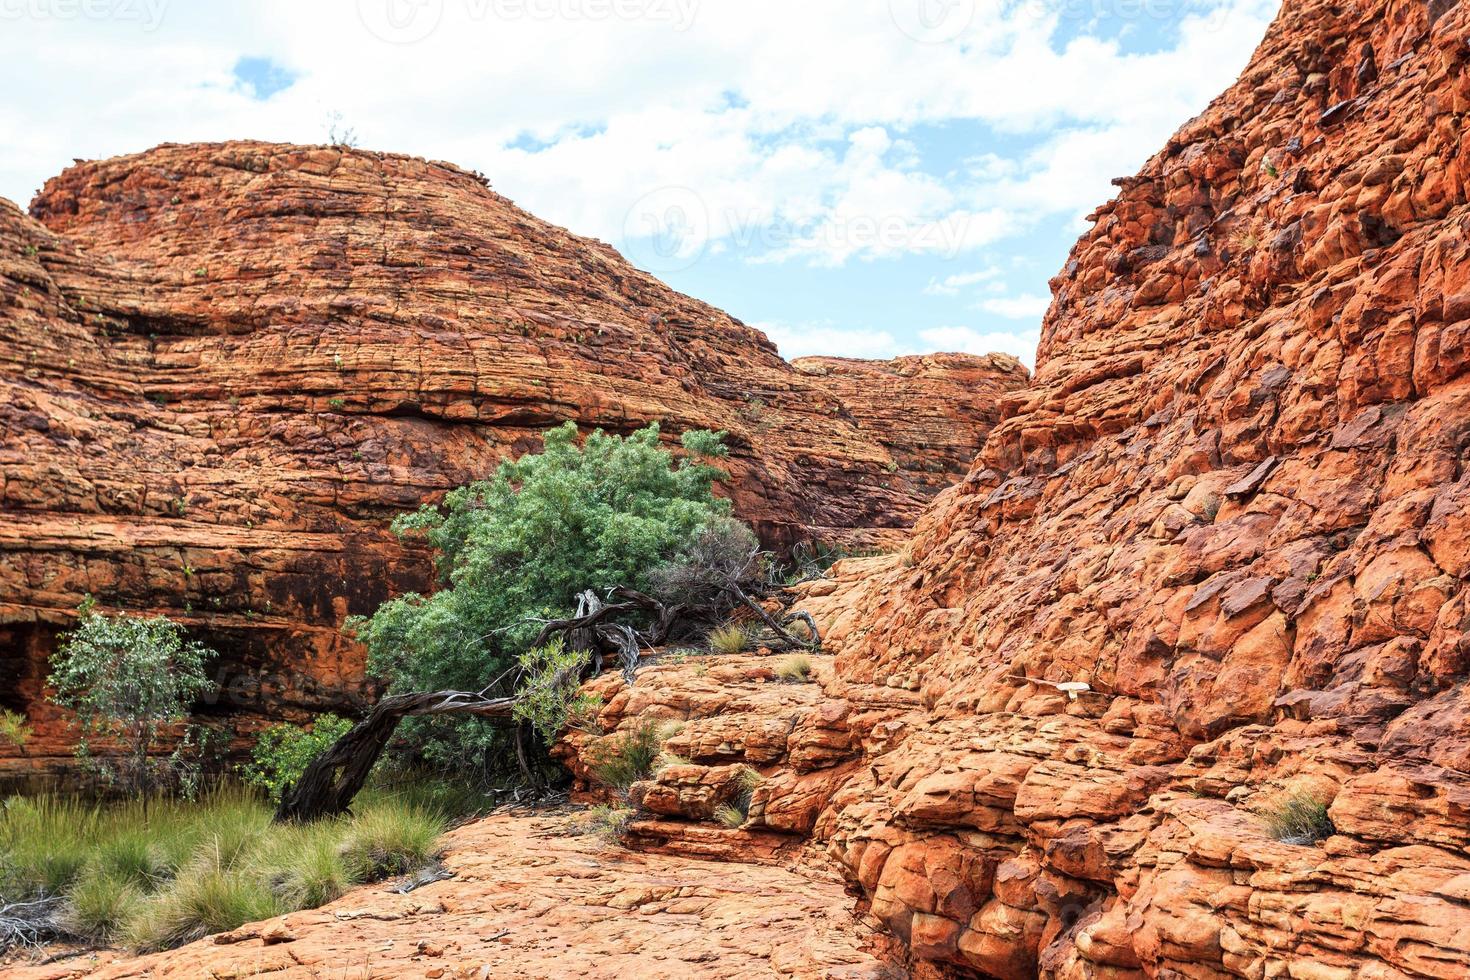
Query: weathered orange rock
[
  {"x": 226, "y": 367},
  {"x": 1231, "y": 504},
  {"x": 531, "y": 898}
]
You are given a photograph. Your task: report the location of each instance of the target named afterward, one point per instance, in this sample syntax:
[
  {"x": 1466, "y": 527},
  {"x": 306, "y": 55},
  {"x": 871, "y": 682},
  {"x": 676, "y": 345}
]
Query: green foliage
[
  {"x": 550, "y": 696},
  {"x": 608, "y": 822},
  {"x": 127, "y": 679},
  {"x": 181, "y": 870},
  {"x": 729, "y": 639},
  {"x": 97, "y": 907},
  {"x": 212, "y": 895},
  {"x": 13, "y": 728},
  {"x": 282, "y": 752},
  {"x": 390, "y": 840},
  {"x": 516, "y": 549},
  {"x": 1298, "y": 818},
  {"x": 731, "y": 816},
  {"x": 794, "y": 669},
  {"x": 621, "y": 761}
]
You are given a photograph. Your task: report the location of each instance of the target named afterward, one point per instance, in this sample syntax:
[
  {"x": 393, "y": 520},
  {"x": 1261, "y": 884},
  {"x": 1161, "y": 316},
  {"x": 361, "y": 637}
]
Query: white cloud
[
  {"x": 741, "y": 102},
  {"x": 803, "y": 131},
  {"x": 1023, "y": 307},
  {"x": 801, "y": 340},
  {"x": 952, "y": 285},
  {"x": 968, "y": 340}
]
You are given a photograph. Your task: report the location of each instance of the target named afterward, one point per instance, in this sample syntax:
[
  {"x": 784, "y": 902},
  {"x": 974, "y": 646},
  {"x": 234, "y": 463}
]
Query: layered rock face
[
  {"x": 226, "y": 367},
  {"x": 1234, "y": 507}
]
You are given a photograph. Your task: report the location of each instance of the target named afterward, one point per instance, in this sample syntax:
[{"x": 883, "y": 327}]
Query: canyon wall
[
  {"x": 226, "y": 367},
  {"x": 1233, "y": 510}
]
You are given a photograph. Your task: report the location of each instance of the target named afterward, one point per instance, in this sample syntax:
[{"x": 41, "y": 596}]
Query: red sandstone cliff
[
  {"x": 1235, "y": 503},
  {"x": 227, "y": 366}
]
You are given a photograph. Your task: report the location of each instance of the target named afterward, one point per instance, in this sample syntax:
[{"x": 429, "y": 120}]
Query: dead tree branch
[{"x": 333, "y": 779}]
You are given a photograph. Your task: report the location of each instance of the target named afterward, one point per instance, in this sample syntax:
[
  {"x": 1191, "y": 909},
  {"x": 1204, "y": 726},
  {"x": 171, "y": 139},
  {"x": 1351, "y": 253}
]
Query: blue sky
[{"x": 858, "y": 177}]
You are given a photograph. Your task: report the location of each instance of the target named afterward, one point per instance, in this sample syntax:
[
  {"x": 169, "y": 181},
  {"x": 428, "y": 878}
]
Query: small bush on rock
[
  {"x": 794, "y": 669},
  {"x": 728, "y": 640},
  {"x": 1300, "y": 819},
  {"x": 627, "y": 758}
]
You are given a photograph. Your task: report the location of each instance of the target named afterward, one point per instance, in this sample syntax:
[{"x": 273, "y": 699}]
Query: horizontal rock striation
[
  {"x": 1233, "y": 505},
  {"x": 226, "y": 367}
]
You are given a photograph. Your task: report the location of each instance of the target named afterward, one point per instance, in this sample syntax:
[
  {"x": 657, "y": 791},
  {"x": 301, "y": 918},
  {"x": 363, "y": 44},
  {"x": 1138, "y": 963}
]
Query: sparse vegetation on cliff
[
  {"x": 1298, "y": 818},
  {"x": 794, "y": 668},
  {"x": 628, "y": 758}
]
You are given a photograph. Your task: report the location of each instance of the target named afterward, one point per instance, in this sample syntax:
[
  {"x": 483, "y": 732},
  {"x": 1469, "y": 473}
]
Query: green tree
[
  {"x": 282, "y": 752},
  {"x": 515, "y": 550},
  {"x": 128, "y": 679}
]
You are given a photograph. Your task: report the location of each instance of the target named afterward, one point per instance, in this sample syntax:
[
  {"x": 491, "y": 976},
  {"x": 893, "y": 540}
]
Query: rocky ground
[{"x": 532, "y": 897}]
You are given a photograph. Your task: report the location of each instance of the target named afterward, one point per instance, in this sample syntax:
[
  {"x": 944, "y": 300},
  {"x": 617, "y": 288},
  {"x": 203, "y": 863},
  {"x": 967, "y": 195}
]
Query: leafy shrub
[
  {"x": 128, "y": 679},
  {"x": 550, "y": 696},
  {"x": 519, "y": 547},
  {"x": 625, "y": 759},
  {"x": 728, "y": 640},
  {"x": 1298, "y": 818},
  {"x": 282, "y": 752}
]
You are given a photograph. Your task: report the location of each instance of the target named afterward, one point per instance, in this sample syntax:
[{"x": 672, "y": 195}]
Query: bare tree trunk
[{"x": 333, "y": 779}]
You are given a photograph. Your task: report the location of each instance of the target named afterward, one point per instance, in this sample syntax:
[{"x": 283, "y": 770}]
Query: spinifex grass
[{"x": 176, "y": 871}]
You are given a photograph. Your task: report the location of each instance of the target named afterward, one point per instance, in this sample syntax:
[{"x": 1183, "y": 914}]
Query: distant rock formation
[{"x": 227, "y": 366}]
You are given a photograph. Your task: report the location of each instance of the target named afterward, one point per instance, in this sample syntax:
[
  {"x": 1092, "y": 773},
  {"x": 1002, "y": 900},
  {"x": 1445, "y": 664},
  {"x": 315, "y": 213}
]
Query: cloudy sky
[{"x": 858, "y": 177}]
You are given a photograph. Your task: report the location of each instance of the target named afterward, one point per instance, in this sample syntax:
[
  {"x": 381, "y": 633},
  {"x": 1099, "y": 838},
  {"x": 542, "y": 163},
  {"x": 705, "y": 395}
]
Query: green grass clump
[
  {"x": 627, "y": 758},
  {"x": 304, "y": 865},
  {"x": 735, "y": 813},
  {"x": 387, "y": 839},
  {"x": 155, "y": 876},
  {"x": 731, "y": 816},
  {"x": 97, "y": 907},
  {"x": 608, "y": 822},
  {"x": 794, "y": 669},
  {"x": 728, "y": 640},
  {"x": 207, "y": 897},
  {"x": 1298, "y": 818}
]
